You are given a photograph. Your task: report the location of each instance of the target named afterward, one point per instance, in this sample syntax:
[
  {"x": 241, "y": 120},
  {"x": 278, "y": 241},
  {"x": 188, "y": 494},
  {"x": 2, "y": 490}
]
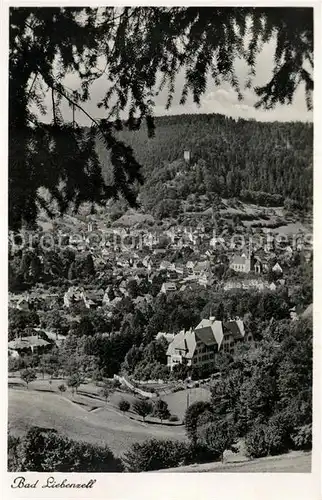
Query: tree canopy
[{"x": 144, "y": 49}]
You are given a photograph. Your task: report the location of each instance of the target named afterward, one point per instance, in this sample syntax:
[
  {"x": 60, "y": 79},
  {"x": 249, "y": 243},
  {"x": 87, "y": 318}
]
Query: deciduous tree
[
  {"x": 28, "y": 375},
  {"x": 142, "y": 407}
]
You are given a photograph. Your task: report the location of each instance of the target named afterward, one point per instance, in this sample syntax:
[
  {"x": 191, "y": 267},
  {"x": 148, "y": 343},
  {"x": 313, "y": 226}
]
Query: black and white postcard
[{"x": 158, "y": 312}]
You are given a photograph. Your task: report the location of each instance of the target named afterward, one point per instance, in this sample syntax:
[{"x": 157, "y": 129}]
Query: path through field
[{"x": 46, "y": 409}]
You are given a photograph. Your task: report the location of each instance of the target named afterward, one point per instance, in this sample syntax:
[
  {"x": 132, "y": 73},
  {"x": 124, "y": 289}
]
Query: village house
[
  {"x": 32, "y": 344},
  {"x": 201, "y": 268},
  {"x": 277, "y": 268},
  {"x": 114, "y": 302},
  {"x": 206, "y": 279},
  {"x": 166, "y": 265},
  {"x": 258, "y": 266},
  {"x": 294, "y": 314},
  {"x": 190, "y": 266},
  {"x": 168, "y": 287},
  {"x": 23, "y": 304},
  {"x": 147, "y": 262},
  {"x": 288, "y": 252},
  {"x": 246, "y": 263},
  {"x": 141, "y": 302},
  {"x": 180, "y": 269},
  {"x": 159, "y": 251},
  {"x": 241, "y": 263},
  {"x": 73, "y": 296},
  {"x": 246, "y": 284},
  {"x": 52, "y": 336},
  {"x": 93, "y": 298}
]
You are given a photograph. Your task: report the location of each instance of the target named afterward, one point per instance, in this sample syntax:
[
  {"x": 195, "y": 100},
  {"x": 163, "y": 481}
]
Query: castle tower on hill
[{"x": 187, "y": 156}]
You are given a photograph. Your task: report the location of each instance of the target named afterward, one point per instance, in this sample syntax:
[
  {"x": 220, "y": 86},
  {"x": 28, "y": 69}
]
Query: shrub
[
  {"x": 161, "y": 410},
  {"x": 14, "y": 364},
  {"x": 117, "y": 384},
  {"x": 74, "y": 382},
  {"x": 272, "y": 438},
  {"x": 154, "y": 454},
  {"x": 124, "y": 405},
  {"x": 256, "y": 445},
  {"x": 28, "y": 375},
  {"x": 13, "y": 453},
  {"x": 62, "y": 388},
  {"x": 142, "y": 407},
  {"x": 217, "y": 437},
  {"x": 105, "y": 392},
  {"x": 302, "y": 437},
  {"x": 278, "y": 434},
  {"x": 44, "y": 450},
  {"x": 173, "y": 418},
  {"x": 192, "y": 415},
  {"x": 205, "y": 418},
  {"x": 200, "y": 453}
]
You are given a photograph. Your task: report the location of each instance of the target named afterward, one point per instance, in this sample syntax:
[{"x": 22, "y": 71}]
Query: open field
[
  {"x": 89, "y": 397},
  {"x": 106, "y": 424},
  {"x": 290, "y": 462},
  {"x": 178, "y": 401},
  {"x": 293, "y": 228}
]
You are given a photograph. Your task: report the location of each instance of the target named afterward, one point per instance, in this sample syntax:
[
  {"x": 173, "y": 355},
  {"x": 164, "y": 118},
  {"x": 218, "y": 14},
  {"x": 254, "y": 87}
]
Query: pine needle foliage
[{"x": 144, "y": 49}]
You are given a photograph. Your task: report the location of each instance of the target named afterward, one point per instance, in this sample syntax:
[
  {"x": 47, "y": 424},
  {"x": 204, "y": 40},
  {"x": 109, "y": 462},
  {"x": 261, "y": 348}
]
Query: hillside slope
[
  {"x": 27, "y": 408},
  {"x": 231, "y": 156},
  {"x": 290, "y": 462}
]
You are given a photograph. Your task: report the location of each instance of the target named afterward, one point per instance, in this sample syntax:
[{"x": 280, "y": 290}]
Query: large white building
[{"x": 198, "y": 347}]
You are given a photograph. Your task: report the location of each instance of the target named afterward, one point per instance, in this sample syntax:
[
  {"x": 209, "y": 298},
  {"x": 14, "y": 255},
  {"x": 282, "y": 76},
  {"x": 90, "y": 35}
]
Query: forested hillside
[{"x": 228, "y": 157}]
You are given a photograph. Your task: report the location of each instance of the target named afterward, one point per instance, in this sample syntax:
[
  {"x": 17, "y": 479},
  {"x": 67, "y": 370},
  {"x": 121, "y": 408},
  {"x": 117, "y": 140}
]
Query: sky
[{"x": 222, "y": 99}]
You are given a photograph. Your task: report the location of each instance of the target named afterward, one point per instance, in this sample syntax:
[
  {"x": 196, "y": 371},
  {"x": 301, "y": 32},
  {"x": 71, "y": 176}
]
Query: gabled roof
[
  {"x": 210, "y": 332},
  {"x": 202, "y": 266},
  {"x": 234, "y": 328},
  {"x": 308, "y": 312},
  {"x": 23, "y": 299},
  {"x": 276, "y": 267},
  {"x": 206, "y": 335},
  {"x": 183, "y": 341},
  {"x": 94, "y": 295},
  {"x": 26, "y": 342},
  {"x": 165, "y": 263},
  {"x": 169, "y": 286},
  {"x": 177, "y": 343}
]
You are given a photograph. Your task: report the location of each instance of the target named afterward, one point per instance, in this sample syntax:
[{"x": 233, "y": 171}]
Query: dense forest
[{"x": 229, "y": 157}]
